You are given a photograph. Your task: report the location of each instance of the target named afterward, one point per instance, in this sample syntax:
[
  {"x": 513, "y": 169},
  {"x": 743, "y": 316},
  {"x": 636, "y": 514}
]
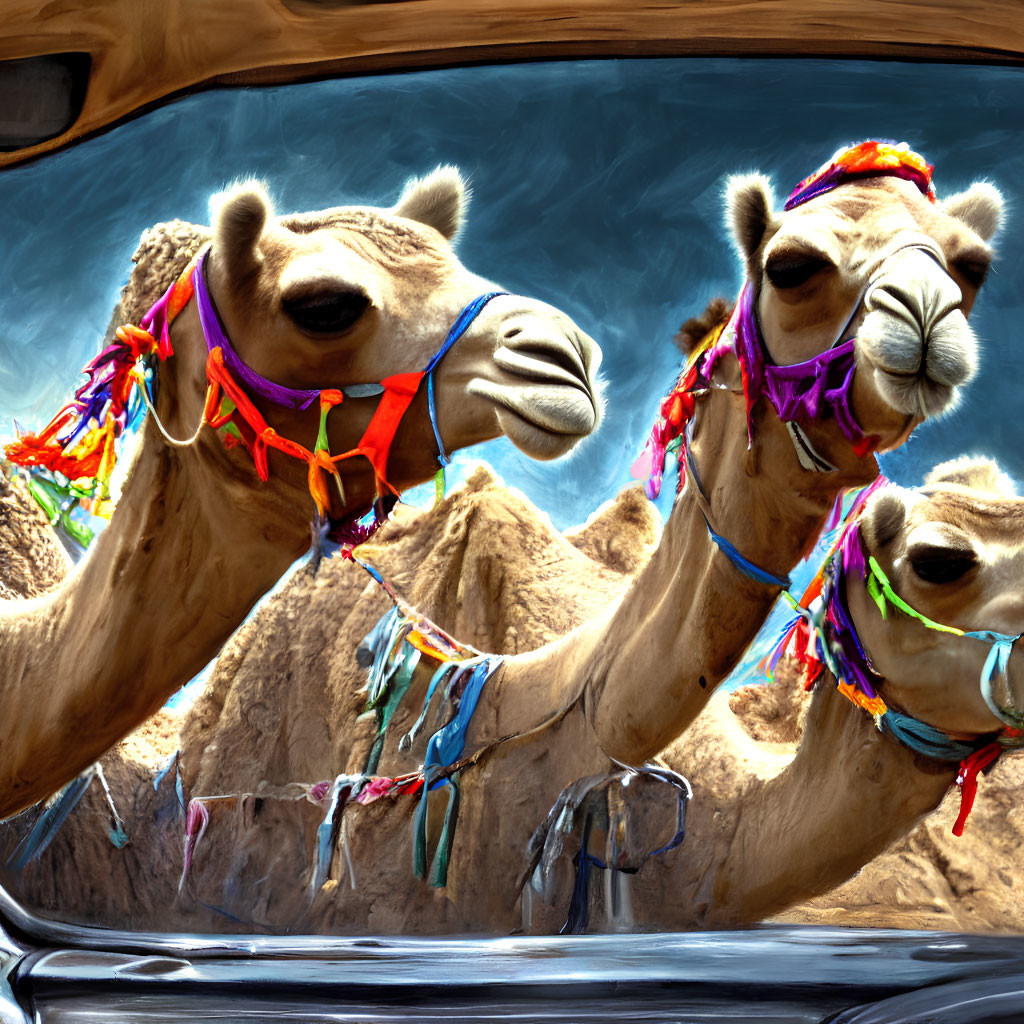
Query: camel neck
[
  {"x": 184, "y": 559},
  {"x": 647, "y": 667},
  {"x": 693, "y": 610},
  {"x": 848, "y": 779}
]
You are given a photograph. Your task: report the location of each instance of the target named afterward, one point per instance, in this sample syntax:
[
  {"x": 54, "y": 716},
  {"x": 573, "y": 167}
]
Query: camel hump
[
  {"x": 773, "y": 713},
  {"x": 621, "y": 533},
  {"x": 164, "y": 251},
  {"x": 32, "y": 560}
]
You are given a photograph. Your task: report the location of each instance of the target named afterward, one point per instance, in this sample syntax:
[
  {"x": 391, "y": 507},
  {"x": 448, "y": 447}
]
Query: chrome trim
[{"x": 777, "y": 955}]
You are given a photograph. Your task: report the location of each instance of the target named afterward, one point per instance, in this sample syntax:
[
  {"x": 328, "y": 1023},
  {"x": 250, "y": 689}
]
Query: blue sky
[{"x": 597, "y": 187}]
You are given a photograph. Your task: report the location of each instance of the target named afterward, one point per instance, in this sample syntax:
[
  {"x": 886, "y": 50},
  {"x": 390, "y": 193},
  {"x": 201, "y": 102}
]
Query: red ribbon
[{"x": 967, "y": 780}]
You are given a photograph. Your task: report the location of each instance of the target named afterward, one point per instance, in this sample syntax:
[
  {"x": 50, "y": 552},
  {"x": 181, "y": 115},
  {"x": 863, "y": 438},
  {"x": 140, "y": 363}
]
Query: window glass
[{"x": 597, "y": 187}]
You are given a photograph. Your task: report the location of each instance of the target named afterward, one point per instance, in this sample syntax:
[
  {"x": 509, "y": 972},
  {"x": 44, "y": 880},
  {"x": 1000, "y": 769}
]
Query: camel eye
[
  {"x": 974, "y": 271},
  {"x": 942, "y": 565},
  {"x": 327, "y": 312},
  {"x": 790, "y": 270}
]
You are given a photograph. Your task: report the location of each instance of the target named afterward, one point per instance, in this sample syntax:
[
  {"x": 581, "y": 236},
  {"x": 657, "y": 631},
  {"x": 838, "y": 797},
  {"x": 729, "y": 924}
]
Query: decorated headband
[{"x": 866, "y": 160}]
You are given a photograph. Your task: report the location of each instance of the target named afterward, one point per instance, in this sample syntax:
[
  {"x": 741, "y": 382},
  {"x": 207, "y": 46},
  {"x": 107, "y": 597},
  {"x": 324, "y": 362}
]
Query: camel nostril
[
  {"x": 554, "y": 350},
  {"x": 951, "y": 357}
]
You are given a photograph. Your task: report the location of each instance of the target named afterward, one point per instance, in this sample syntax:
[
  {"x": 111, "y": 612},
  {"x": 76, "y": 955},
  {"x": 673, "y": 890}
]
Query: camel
[
  {"x": 870, "y": 257},
  {"x": 847, "y": 256},
  {"x": 769, "y": 827},
  {"x": 731, "y": 772},
  {"x": 309, "y": 301}
]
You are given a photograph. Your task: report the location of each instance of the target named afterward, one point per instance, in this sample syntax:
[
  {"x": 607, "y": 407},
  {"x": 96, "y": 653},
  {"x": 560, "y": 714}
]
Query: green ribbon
[
  {"x": 880, "y": 590},
  {"x": 388, "y": 701},
  {"x": 443, "y": 852}
]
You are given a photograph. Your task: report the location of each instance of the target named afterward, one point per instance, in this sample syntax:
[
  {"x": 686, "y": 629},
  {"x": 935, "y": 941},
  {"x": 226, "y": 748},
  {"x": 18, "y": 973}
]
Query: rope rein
[{"x": 188, "y": 442}]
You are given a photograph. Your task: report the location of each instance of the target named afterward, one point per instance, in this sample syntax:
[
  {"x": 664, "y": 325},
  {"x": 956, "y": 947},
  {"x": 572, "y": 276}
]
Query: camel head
[
  {"x": 863, "y": 251},
  {"x": 350, "y": 297},
  {"x": 953, "y": 551}
]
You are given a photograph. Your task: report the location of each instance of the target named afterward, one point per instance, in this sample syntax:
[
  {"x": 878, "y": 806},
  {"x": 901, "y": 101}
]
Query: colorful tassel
[{"x": 196, "y": 820}]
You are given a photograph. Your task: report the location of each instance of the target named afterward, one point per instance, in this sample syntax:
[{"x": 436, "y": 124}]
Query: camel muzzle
[
  {"x": 916, "y": 336},
  {"x": 550, "y": 385}
]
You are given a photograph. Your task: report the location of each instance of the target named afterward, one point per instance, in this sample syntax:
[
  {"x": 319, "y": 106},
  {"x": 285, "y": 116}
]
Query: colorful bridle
[
  {"x": 824, "y": 636},
  {"x": 801, "y": 393},
  {"x": 79, "y": 442}
]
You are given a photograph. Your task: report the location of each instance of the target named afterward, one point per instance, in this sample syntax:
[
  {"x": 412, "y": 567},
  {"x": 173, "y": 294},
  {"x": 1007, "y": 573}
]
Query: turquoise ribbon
[
  {"x": 925, "y": 739},
  {"x": 995, "y": 664}
]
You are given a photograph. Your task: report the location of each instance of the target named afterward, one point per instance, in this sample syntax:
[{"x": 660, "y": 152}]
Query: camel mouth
[
  {"x": 544, "y": 385},
  {"x": 542, "y": 420},
  {"x": 916, "y": 396}
]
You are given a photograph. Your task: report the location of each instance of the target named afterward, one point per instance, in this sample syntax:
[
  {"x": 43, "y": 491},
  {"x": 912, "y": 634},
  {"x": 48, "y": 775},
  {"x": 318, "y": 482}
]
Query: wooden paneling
[{"x": 145, "y": 52}]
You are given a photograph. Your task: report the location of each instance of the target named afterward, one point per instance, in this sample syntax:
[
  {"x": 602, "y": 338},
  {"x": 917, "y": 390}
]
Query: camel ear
[
  {"x": 974, "y": 472},
  {"x": 980, "y": 208},
  {"x": 239, "y": 215},
  {"x": 884, "y": 517},
  {"x": 439, "y": 200},
  {"x": 748, "y": 204},
  {"x": 696, "y": 329}
]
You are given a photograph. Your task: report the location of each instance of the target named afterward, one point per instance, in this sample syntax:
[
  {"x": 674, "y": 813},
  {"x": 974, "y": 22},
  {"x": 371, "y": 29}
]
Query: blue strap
[
  {"x": 579, "y": 907},
  {"x": 48, "y": 824},
  {"x": 373, "y": 637},
  {"x": 445, "y": 748},
  {"x": 747, "y": 568},
  {"x": 442, "y": 456},
  {"x": 446, "y": 745},
  {"x": 461, "y": 325},
  {"x": 925, "y": 739}
]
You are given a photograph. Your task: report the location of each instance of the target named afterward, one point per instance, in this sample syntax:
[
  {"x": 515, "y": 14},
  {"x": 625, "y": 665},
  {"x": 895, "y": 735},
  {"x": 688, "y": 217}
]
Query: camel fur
[
  {"x": 32, "y": 560},
  {"x": 637, "y": 672},
  {"x": 740, "y": 742},
  {"x": 314, "y": 300}
]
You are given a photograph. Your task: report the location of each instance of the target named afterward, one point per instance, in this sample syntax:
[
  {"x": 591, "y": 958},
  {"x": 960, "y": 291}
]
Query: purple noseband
[{"x": 800, "y": 392}]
